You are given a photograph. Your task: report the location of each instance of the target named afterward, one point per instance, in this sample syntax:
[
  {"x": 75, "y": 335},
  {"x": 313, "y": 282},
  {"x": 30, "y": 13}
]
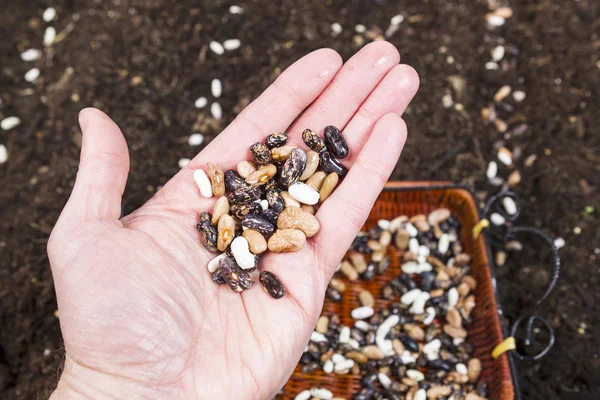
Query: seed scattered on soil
[
  {"x": 231, "y": 44},
  {"x": 216, "y": 88},
  {"x": 196, "y": 139},
  {"x": 200, "y": 102},
  {"x": 32, "y": 75},
  {"x": 3, "y": 154},
  {"x": 49, "y": 35},
  {"x": 203, "y": 183},
  {"x": 9, "y": 123},
  {"x": 216, "y": 48},
  {"x": 49, "y": 14},
  {"x": 183, "y": 162},
  {"x": 31, "y": 55},
  {"x": 216, "y": 111},
  {"x": 236, "y": 10}
]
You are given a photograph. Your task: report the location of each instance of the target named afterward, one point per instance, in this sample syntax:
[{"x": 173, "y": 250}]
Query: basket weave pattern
[{"x": 485, "y": 331}]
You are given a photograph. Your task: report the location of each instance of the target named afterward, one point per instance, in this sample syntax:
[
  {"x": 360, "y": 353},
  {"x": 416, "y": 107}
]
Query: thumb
[{"x": 103, "y": 170}]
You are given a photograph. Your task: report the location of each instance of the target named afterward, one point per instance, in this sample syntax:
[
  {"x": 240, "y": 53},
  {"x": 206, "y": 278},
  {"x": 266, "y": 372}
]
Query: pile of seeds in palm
[
  {"x": 270, "y": 204},
  {"x": 408, "y": 340}
]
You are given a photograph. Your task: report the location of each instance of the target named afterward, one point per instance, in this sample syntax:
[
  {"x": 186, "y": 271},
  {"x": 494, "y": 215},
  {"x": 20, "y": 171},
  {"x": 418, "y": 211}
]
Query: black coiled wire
[{"x": 529, "y": 316}]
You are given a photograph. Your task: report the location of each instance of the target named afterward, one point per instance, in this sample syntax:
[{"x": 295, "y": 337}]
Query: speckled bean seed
[
  {"x": 261, "y": 175},
  {"x": 258, "y": 223},
  {"x": 272, "y": 284},
  {"x": 335, "y": 142},
  {"x": 261, "y": 153},
  {"x": 217, "y": 178},
  {"x": 293, "y": 167},
  {"x": 244, "y": 195},
  {"x": 276, "y": 140},
  {"x": 226, "y": 231},
  {"x": 234, "y": 181},
  {"x": 313, "y": 141}
]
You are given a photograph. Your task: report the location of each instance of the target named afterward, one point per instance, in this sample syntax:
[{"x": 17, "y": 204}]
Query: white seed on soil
[
  {"x": 304, "y": 193},
  {"x": 461, "y": 368},
  {"x": 383, "y": 224},
  {"x": 413, "y": 245},
  {"x": 344, "y": 334},
  {"x": 49, "y": 35},
  {"x": 430, "y": 316},
  {"x": 362, "y": 325},
  {"x": 420, "y": 394},
  {"x": 336, "y": 29},
  {"x": 303, "y": 395},
  {"x": 559, "y": 243},
  {"x": 49, "y": 14},
  {"x": 213, "y": 264},
  {"x": 241, "y": 252},
  {"x": 216, "y": 87},
  {"x": 328, "y": 367},
  {"x": 3, "y": 154},
  {"x": 318, "y": 337},
  {"x": 452, "y": 297},
  {"x": 338, "y": 358},
  {"x": 418, "y": 306},
  {"x": 495, "y": 20},
  {"x": 519, "y": 95},
  {"x": 432, "y": 346},
  {"x": 497, "y": 219},
  {"x": 415, "y": 375},
  {"x": 183, "y": 162},
  {"x": 498, "y": 53},
  {"x": 236, "y": 10},
  {"x": 412, "y": 231},
  {"x": 509, "y": 205},
  {"x": 444, "y": 243},
  {"x": 360, "y": 28},
  {"x": 397, "y": 19},
  {"x": 196, "y": 139},
  {"x": 492, "y": 170},
  {"x": 231, "y": 44},
  {"x": 410, "y": 296},
  {"x": 321, "y": 393},
  {"x": 216, "y": 111},
  {"x": 501, "y": 95},
  {"x": 200, "y": 102},
  {"x": 362, "y": 312},
  {"x": 354, "y": 344},
  {"x": 505, "y": 156},
  {"x": 491, "y": 66},
  {"x": 216, "y": 47},
  {"x": 203, "y": 183},
  {"x": 264, "y": 204},
  {"x": 32, "y": 74},
  {"x": 384, "y": 380},
  {"x": 31, "y": 55},
  {"x": 9, "y": 123},
  {"x": 447, "y": 100}
]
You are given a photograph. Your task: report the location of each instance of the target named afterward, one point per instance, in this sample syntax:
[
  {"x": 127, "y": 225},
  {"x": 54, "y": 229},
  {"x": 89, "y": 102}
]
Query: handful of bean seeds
[
  {"x": 415, "y": 347},
  {"x": 271, "y": 204}
]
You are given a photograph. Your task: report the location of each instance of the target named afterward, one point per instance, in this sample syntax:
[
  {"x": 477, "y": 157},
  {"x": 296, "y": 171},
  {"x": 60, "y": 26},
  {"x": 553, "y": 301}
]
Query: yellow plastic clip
[
  {"x": 484, "y": 223},
  {"x": 506, "y": 345}
]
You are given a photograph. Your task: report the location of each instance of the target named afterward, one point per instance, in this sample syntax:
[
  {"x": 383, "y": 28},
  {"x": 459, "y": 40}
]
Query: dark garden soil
[{"x": 145, "y": 63}]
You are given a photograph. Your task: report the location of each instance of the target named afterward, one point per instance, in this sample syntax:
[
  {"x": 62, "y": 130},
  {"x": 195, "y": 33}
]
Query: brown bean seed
[
  {"x": 372, "y": 352},
  {"x": 226, "y": 229},
  {"x": 322, "y": 324},
  {"x": 438, "y": 391},
  {"x": 338, "y": 285},
  {"x": 366, "y": 298},
  {"x": 256, "y": 241},
  {"x": 398, "y": 346},
  {"x": 473, "y": 396},
  {"x": 385, "y": 239},
  {"x": 286, "y": 240},
  {"x": 221, "y": 208},
  {"x": 313, "y": 141},
  {"x": 473, "y": 369},
  {"x": 348, "y": 270},
  {"x": 454, "y": 319},
  {"x": 217, "y": 179},
  {"x": 470, "y": 281},
  {"x": 281, "y": 154},
  {"x": 295, "y": 218},
  {"x": 357, "y": 356},
  {"x": 463, "y": 289},
  {"x": 359, "y": 262},
  {"x": 261, "y": 175},
  {"x": 401, "y": 239},
  {"x": 261, "y": 153},
  {"x": 462, "y": 259},
  {"x": 436, "y": 293},
  {"x": 312, "y": 163},
  {"x": 316, "y": 180},
  {"x": 409, "y": 382},
  {"x": 374, "y": 245},
  {"x": 455, "y": 332},
  {"x": 288, "y": 200},
  {"x": 378, "y": 255},
  {"x": 329, "y": 184},
  {"x": 245, "y": 168},
  {"x": 244, "y": 195}
]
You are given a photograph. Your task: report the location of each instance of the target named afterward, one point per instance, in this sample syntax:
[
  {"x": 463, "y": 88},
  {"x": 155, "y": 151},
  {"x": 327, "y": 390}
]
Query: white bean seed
[
  {"x": 318, "y": 337},
  {"x": 384, "y": 380},
  {"x": 492, "y": 170},
  {"x": 497, "y": 219},
  {"x": 412, "y": 231},
  {"x": 430, "y": 316},
  {"x": 304, "y": 193},
  {"x": 183, "y": 162},
  {"x": 241, "y": 252},
  {"x": 216, "y": 111},
  {"x": 432, "y": 346},
  {"x": 231, "y": 44},
  {"x": 519, "y": 95},
  {"x": 383, "y": 224},
  {"x": 49, "y": 35},
  {"x": 236, "y": 10},
  {"x": 461, "y": 368},
  {"x": 196, "y": 139},
  {"x": 410, "y": 296},
  {"x": 354, "y": 344},
  {"x": 444, "y": 243},
  {"x": 413, "y": 245},
  {"x": 9, "y": 123},
  {"x": 420, "y": 394},
  {"x": 216, "y": 47},
  {"x": 415, "y": 374},
  {"x": 423, "y": 251},
  {"x": 200, "y": 102},
  {"x": 213, "y": 264},
  {"x": 32, "y": 74},
  {"x": 321, "y": 393},
  {"x": 31, "y": 55},
  {"x": 3, "y": 154},
  {"x": 496, "y": 20},
  {"x": 303, "y": 395},
  {"x": 509, "y": 205},
  {"x": 328, "y": 367},
  {"x": 346, "y": 364},
  {"x": 410, "y": 267},
  {"x": 452, "y": 297},
  {"x": 362, "y": 325},
  {"x": 344, "y": 334},
  {"x": 49, "y": 14},
  {"x": 498, "y": 53},
  {"x": 362, "y": 312},
  {"x": 216, "y": 87},
  {"x": 203, "y": 183},
  {"x": 397, "y": 19},
  {"x": 338, "y": 358}
]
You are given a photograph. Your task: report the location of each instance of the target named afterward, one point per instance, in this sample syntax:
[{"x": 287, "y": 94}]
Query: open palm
[{"x": 140, "y": 315}]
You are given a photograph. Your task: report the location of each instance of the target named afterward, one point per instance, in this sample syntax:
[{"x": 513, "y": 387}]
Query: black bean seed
[
  {"x": 261, "y": 153},
  {"x": 410, "y": 344},
  {"x": 240, "y": 210},
  {"x": 387, "y": 292},
  {"x": 313, "y": 141},
  {"x": 275, "y": 200},
  {"x": 369, "y": 273},
  {"x": 270, "y": 215},
  {"x": 427, "y": 279},
  {"x": 383, "y": 265},
  {"x": 258, "y": 223},
  {"x": 333, "y": 295},
  {"x": 293, "y": 167},
  {"x": 205, "y": 216},
  {"x": 217, "y": 276},
  {"x": 310, "y": 367},
  {"x": 334, "y": 321},
  {"x": 276, "y": 140},
  {"x": 335, "y": 142},
  {"x": 329, "y": 164},
  {"x": 236, "y": 278},
  {"x": 209, "y": 234},
  {"x": 407, "y": 281},
  {"x": 440, "y": 364},
  {"x": 306, "y": 358},
  {"x": 234, "y": 181},
  {"x": 244, "y": 195},
  {"x": 272, "y": 285}
]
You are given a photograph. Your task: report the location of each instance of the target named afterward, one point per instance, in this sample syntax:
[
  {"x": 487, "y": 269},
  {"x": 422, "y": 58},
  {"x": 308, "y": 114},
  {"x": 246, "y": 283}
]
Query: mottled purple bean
[
  {"x": 335, "y": 142},
  {"x": 272, "y": 284}
]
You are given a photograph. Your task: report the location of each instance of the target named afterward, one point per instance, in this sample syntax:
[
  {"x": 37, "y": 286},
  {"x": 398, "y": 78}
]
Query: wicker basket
[{"x": 485, "y": 332}]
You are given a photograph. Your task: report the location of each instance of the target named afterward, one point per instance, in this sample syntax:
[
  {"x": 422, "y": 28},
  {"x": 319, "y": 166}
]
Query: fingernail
[{"x": 81, "y": 119}]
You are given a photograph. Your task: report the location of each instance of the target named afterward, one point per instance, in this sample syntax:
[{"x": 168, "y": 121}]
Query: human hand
[{"x": 139, "y": 313}]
